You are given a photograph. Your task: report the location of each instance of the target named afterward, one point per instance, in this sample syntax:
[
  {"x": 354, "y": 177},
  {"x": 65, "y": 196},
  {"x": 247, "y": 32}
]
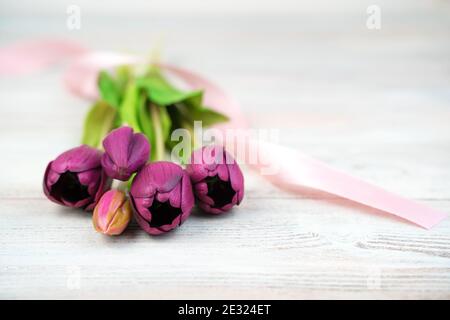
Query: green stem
[
  {"x": 159, "y": 139},
  {"x": 120, "y": 185}
]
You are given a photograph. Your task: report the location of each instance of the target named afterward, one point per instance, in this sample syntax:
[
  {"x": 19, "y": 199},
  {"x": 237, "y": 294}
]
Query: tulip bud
[
  {"x": 125, "y": 153},
  {"x": 112, "y": 213},
  {"x": 161, "y": 196},
  {"x": 217, "y": 179},
  {"x": 76, "y": 178}
]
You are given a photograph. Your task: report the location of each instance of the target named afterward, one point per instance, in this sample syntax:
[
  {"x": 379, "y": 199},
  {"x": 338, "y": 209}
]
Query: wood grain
[{"x": 373, "y": 103}]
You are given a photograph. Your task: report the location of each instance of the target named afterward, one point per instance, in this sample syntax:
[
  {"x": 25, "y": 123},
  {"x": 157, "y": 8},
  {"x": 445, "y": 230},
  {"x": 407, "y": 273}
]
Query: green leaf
[
  {"x": 167, "y": 98},
  {"x": 163, "y": 93},
  {"x": 144, "y": 118},
  {"x": 128, "y": 110},
  {"x": 146, "y": 124},
  {"x": 130, "y": 181},
  {"x": 166, "y": 123},
  {"x": 208, "y": 116},
  {"x": 99, "y": 121},
  {"x": 109, "y": 89},
  {"x": 158, "y": 134},
  {"x": 155, "y": 123},
  {"x": 124, "y": 75}
]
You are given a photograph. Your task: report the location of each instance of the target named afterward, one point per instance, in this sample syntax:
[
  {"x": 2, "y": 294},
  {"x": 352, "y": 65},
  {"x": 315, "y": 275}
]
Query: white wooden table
[{"x": 374, "y": 103}]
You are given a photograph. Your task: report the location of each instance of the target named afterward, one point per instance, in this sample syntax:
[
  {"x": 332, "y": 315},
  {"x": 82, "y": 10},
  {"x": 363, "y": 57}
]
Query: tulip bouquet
[
  {"x": 125, "y": 135},
  {"x": 153, "y": 108}
]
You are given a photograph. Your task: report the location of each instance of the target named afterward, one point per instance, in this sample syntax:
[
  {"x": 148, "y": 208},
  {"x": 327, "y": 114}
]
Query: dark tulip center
[
  {"x": 162, "y": 213},
  {"x": 220, "y": 191},
  {"x": 69, "y": 188}
]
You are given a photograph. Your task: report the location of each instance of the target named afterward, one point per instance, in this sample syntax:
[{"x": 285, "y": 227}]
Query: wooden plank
[{"x": 292, "y": 247}]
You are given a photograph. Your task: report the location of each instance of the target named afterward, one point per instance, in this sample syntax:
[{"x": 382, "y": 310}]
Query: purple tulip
[
  {"x": 76, "y": 179},
  {"x": 161, "y": 196},
  {"x": 217, "y": 179},
  {"x": 125, "y": 153}
]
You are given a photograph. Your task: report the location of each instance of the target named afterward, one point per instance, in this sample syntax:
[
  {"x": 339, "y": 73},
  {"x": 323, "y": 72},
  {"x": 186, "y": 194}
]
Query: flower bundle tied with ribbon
[
  {"x": 149, "y": 104},
  {"x": 132, "y": 121}
]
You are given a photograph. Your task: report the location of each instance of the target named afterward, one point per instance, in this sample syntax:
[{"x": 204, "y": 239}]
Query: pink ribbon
[
  {"x": 296, "y": 171},
  {"x": 31, "y": 56}
]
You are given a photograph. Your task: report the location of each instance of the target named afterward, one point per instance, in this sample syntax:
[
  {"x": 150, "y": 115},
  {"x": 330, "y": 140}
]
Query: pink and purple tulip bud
[
  {"x": 217, "y": 179},
  {"x": 76, "y": 178},
  {"x": 112, "y": 213},
  {"x": 125, "y": 153},
  {"x": 161, "y": 196}
]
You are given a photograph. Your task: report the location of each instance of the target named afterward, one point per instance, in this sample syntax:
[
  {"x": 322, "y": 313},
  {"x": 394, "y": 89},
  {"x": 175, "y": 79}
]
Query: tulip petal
[
  {"x": 103, "y": 209},
  {"x": 52, "y": 177},
  {"x": 197, "y": 172},
  {"x": 228, "y": 206},
  {"x": 169, "y": 188},
  {"x": 117, "y": 144},
  {"x": 163, "y": 197},
  {"x": 209, "y": 209},
  {"x": 159, "y": 176},
  {"x": 175, "y": 196},
  {"x": 78, "y": 159},
  {"x": 217, "y": 178},
  {"x": 201, "y": 188},
  {"x": 139, "y": 152},
  {"x": 112, "y": 213},
  {"x": 201, "y": 192},
  {"x": 103, "y": 186},
  {"x": 142, "y": 222},
  {"x": 141, "y": 206},
  {"x": 125, "y": 153},
  {"x": 240, "y": 196},
  {"x": 121, "y": 219},
  {"x": 222, "y": 172},
  {"x": 91, "y": 179},
  {"x": 74, "y": 178},
  {"x": 78, "y": 204},
  {"x": 46, "y": 185},
  {"x": 236, "y": 177},
  {"x": 112, "y": 170},
  {"x": 187, "y": 197}
]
